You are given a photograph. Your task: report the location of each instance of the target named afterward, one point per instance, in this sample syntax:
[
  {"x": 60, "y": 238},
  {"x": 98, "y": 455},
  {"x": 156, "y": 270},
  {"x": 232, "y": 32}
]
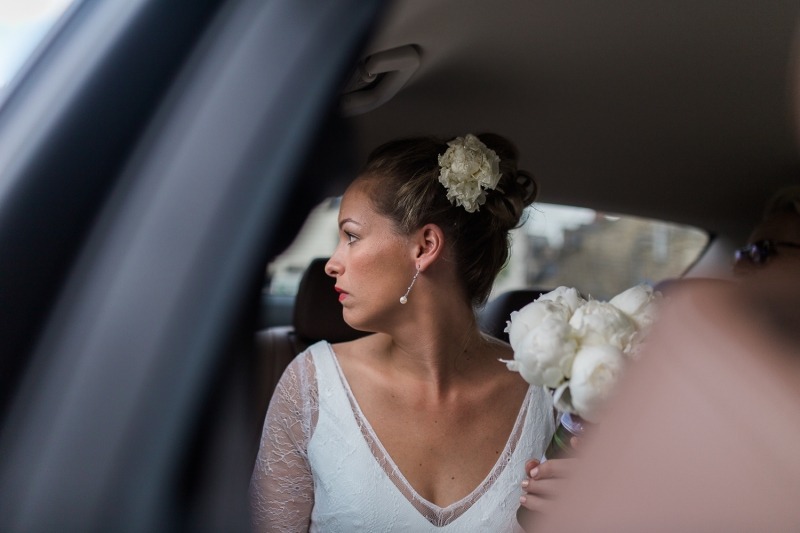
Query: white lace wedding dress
[{"x": 320, "y": 458}]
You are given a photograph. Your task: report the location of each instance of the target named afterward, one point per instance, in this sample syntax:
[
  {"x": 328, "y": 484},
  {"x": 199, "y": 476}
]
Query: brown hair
[{"x": 402, "y": 179}]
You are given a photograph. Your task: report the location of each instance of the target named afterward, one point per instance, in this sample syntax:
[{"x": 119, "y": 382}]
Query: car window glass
[
  {"x": 599, "y": 253},
  {"x": 23, "y": 25}
]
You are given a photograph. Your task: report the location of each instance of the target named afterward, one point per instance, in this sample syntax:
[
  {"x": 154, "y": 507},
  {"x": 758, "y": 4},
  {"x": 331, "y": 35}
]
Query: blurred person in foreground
[
  {"x": 772, "y": 254},
  {"x": 702, "y": 433}
]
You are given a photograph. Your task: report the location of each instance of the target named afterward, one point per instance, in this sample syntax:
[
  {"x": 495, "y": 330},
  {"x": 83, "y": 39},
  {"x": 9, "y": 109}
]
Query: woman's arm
[{"x": 282, "y": 486}]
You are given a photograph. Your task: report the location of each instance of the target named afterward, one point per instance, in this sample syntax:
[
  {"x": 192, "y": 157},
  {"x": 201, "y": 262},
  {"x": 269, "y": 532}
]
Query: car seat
[
  {"x": 493, "y": 316},
  {"x": 317, "y": 315}
]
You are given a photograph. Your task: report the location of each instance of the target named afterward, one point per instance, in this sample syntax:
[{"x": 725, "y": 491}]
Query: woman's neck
[{"x": 440, "y": 348}]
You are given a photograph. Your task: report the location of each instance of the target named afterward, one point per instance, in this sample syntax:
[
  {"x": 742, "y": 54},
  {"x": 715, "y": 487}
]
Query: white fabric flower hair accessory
[{"x": 467, "y": 169}]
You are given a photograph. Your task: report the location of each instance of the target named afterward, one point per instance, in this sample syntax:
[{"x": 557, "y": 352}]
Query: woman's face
[{"x": 373, "y": 265}]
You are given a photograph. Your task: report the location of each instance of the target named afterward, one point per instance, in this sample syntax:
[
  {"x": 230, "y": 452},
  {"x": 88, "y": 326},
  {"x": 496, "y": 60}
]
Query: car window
[
  {"x": 317, "y": 238},
  {"x": 599, "y": 253},
  {"x": 23, "y": 26}
]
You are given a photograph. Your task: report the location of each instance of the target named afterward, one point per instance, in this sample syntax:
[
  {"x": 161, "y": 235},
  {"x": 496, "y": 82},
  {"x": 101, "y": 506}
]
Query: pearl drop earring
[{"x": 404, "y": 298}]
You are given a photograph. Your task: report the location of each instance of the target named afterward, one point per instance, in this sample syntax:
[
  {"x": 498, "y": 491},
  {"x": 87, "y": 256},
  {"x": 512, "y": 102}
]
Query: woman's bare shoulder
[
  {"x": 361, "y": 355},
  {"x": 493, "y": 352},
  {"x": 498, "y": 350},
  {"x": 356, "y": 347}
]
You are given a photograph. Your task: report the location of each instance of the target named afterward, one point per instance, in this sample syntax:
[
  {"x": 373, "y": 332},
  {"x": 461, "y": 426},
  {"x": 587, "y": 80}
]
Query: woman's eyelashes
[{"x": 351, "y": 238}]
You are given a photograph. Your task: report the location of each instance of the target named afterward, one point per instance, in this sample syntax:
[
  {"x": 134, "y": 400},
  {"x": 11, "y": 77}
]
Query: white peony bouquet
[{"x": 578, "y": 348}]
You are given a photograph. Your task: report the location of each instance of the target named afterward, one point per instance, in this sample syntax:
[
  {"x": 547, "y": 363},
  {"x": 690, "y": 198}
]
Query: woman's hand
[{"x": 545, "y": 481}]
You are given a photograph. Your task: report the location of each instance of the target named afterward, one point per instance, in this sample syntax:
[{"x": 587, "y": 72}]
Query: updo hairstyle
[{"x": 402, "y": 180}]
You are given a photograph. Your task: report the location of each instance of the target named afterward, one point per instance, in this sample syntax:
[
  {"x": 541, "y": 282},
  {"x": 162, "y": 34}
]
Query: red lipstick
[{"x": 342, "y": 293}]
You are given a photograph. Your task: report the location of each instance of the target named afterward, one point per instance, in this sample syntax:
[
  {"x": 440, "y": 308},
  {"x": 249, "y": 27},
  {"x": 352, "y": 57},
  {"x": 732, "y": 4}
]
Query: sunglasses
[{"x": 758, "y": 252}]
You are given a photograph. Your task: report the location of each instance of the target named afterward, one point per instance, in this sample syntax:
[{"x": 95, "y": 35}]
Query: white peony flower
[
  {"x": 598, "y": 323},
  {"x": 578, "y": 348},
  {"x": 639, "y": 303},
  {"x": 566, "y": 296},
  {"x": 467, "y": 168},
  {"x": 562, "y": 400},
  {"x": 545, "y": 353},
  {"x": 530, "y": 317},
  {"x": 595, "y": 371}
]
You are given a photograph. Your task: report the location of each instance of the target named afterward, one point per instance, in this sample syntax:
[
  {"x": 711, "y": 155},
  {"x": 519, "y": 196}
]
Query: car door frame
[{"x": 130, "y": 408}]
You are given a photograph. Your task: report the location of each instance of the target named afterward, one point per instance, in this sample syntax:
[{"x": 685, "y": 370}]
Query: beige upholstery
[
  {"x": 494, "y": 315},
  {"x": 317, "y": 316}
]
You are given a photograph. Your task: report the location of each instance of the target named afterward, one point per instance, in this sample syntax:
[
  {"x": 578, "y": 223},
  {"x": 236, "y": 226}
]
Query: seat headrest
[
  {"x": 317, "y": 311},
  {"x": 493, "y": 317}
]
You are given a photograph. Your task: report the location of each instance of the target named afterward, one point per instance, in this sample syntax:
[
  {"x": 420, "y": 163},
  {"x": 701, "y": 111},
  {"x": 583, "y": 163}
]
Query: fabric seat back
[
  {"x": 317, "y": 316},
  {"x": 493, "y": 316}
]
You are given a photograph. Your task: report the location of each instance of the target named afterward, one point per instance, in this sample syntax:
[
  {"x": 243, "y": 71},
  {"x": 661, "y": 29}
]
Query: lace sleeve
[{"x": 282, "y": 487}]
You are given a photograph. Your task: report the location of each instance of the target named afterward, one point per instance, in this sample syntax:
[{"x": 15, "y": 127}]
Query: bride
[{"x": 416, "y": 427}]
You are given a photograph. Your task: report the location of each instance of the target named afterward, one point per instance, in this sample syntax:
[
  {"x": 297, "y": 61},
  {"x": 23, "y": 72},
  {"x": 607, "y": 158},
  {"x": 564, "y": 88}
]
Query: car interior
[
  {"x": 641, "y": 129},
  {"x": 156, "y": 158}
]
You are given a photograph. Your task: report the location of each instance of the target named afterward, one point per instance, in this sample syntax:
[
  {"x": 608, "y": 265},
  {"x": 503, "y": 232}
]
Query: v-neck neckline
[{"x": 437, "y": 515}]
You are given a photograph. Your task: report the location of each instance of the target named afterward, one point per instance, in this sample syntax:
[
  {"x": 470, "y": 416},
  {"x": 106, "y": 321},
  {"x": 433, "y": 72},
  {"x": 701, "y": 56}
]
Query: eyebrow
[{"x": 346, "y": 220}]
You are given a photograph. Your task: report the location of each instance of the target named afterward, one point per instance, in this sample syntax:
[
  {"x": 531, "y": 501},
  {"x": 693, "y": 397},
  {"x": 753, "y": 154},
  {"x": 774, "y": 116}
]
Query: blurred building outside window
[{"x": 598, "y": 253}]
